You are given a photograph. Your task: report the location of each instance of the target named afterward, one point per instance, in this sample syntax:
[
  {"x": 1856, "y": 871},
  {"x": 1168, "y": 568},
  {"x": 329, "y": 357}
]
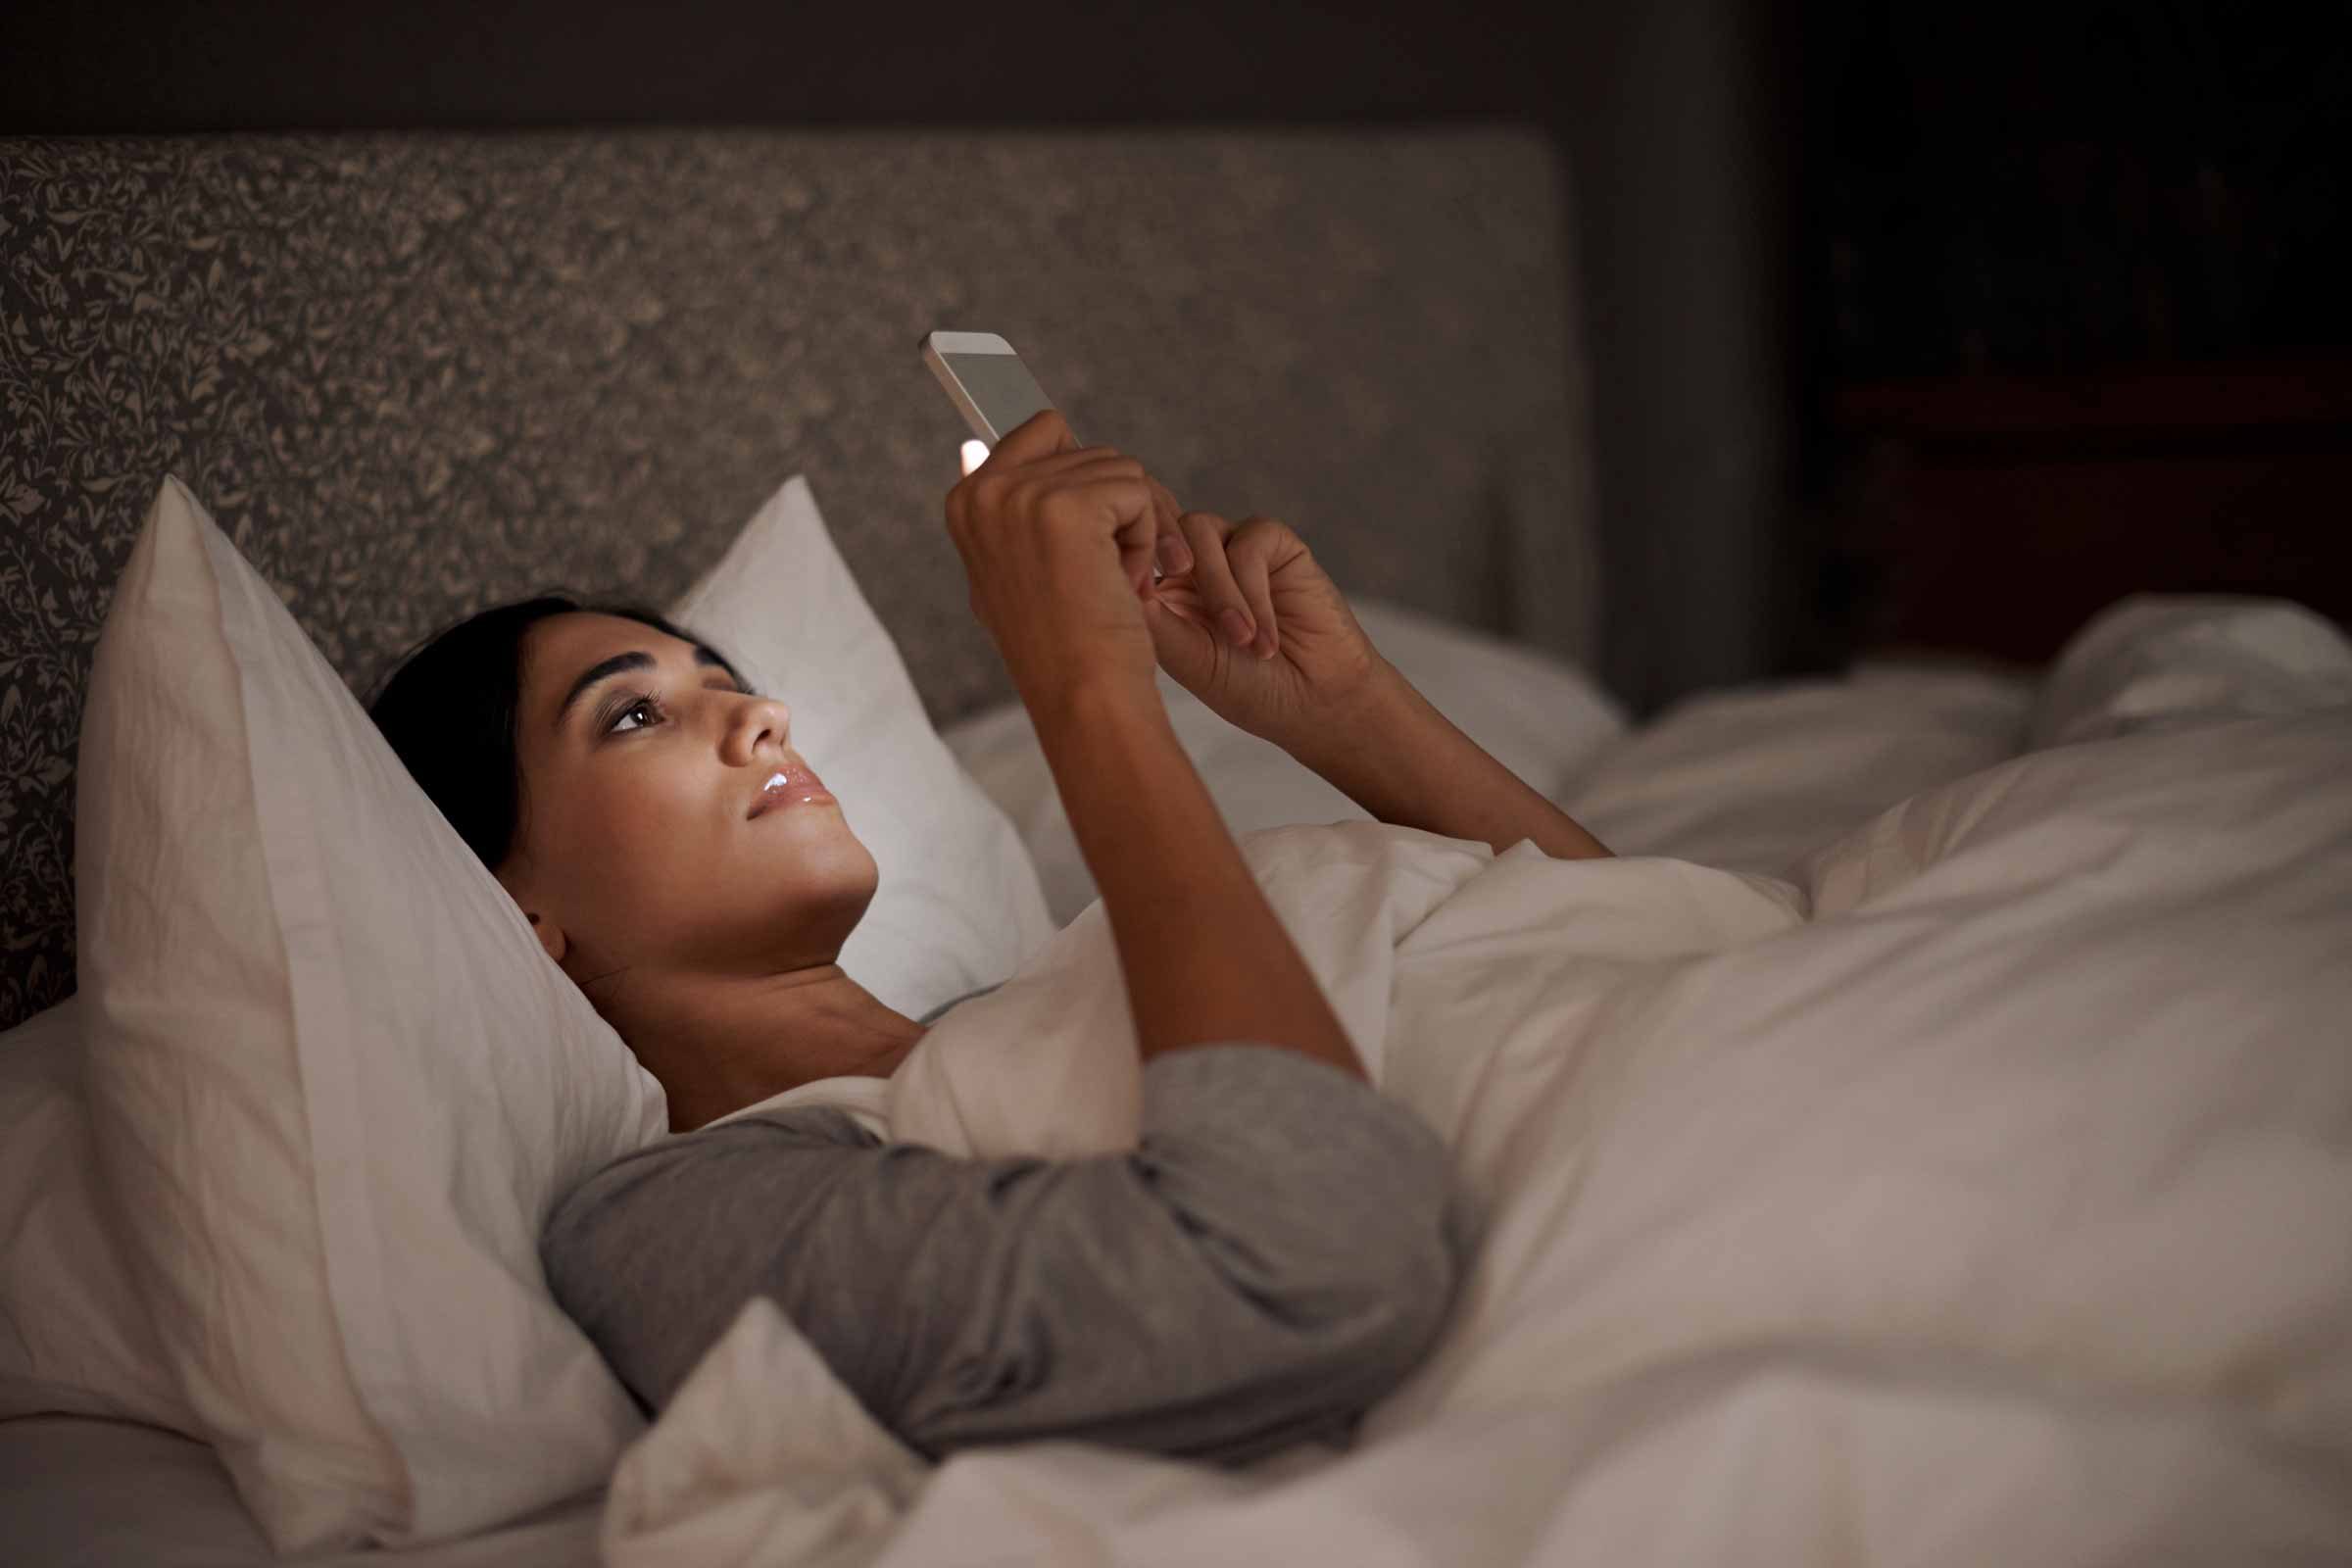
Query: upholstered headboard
[{"x": 415, "y": 374}]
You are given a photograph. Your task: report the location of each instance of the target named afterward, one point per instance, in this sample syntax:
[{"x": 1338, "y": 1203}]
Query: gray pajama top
[{"x": 1276, "y": 1254}]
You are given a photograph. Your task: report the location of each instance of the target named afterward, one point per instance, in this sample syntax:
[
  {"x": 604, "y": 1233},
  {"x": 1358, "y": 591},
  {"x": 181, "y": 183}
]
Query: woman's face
[{"x": 653, "y": 836}]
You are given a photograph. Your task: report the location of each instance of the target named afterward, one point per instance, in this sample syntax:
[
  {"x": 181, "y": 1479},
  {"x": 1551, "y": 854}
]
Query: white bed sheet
[
  {"x": 1754, "y": 779},
  {"x": 85, "y": 1491}
]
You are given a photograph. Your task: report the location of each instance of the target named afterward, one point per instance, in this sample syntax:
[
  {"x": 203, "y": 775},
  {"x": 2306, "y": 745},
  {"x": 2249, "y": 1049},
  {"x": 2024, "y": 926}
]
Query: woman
[{"x": 1281, "y": 1249}]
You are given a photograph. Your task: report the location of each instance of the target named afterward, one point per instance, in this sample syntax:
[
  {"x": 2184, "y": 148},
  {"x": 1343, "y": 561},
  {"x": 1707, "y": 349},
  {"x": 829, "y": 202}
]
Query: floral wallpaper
[{"x": 415, "y": 374}]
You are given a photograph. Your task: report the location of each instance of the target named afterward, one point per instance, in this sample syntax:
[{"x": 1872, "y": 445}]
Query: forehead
[
  {"x": 555, "y": 651},
  {"x": 561, "y": 646}
]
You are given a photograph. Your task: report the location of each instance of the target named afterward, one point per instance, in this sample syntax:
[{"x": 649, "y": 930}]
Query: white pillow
[
  {"x": 957, "y": 905},
  {"x": 1543, "y": 719},
  {"x": 334, "y": 1084},
  {"x": 74, "y": 1335}
]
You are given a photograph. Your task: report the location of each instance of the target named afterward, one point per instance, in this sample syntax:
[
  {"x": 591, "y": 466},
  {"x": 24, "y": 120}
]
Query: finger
[
  {"x": 1182, "y": 647},
  {"x": 1180, "y": 608},
  {"x": 1069, "y": 461},
  {"x": 1143, "y": 542},
  {"x": 1042, "y": 434},
  {"x": 1094, "y": 483},
  {"x": 1085, "y": 464},
  {"x": 1120, "y": 502},
  {"x": 1252, "y": 551},
  {"x": 1221, "y": 598},
  {"x": 1126, "y": 503},
  {"x": 1136, "y": 561},
  {"x": 959, "y": 498},
  {"x": 1098, "y": 485},
  {"x": 1167, "y": 552},
  {"x": 1175, "y": 555},
  {"x": 1105, "y": 494},
  {"x": 1157, "y": 569}
]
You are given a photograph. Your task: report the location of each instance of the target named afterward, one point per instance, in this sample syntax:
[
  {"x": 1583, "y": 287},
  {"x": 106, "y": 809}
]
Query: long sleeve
[{"x": 1278, "y": 1253}]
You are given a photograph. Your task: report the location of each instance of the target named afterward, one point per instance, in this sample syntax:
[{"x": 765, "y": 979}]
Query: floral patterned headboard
[{"x": 414, "y": 374}]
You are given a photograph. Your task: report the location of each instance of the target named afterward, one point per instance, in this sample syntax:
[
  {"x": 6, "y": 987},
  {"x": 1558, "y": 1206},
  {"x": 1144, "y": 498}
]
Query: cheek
[
  {"x": 630, "y": 838},
  {"x": 654, "y": 858}
]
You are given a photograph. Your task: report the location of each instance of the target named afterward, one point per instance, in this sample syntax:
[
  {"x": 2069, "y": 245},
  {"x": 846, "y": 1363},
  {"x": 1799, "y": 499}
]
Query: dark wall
[
  {"x": 2050, "y": 189},
  {"x": 241, "y": 64},
  {"x": 2070, "y": 317}
]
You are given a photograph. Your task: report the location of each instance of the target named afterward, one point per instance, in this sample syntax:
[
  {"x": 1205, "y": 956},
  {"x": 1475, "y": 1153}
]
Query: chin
[{"x": 825, "y": 889}]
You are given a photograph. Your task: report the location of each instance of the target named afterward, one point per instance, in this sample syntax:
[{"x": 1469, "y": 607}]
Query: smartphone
[
  {"x": 991, "y": 386},
  {"x": 986, "y": 381}
]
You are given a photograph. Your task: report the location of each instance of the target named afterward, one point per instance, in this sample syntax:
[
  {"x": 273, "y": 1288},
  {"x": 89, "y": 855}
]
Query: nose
[{"x": 756, "y": 730}]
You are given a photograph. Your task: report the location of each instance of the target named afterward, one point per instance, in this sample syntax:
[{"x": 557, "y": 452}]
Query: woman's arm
[
  {"x": 1057, "y": 541},
  {"x": 1279, "y": 1251},
  {"x": 1203, "y": 956},
  {"x": 1400, "y": 759},
  {"x": 1253, "y": 627}
]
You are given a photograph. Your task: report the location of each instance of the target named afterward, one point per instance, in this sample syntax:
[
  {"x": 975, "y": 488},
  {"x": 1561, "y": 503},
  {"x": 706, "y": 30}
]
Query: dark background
[{"x": 1906, "y": 325}]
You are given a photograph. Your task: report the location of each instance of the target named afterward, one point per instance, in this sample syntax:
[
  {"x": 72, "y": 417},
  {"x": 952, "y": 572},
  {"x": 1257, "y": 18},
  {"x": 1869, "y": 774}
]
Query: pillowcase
[
  {"x": 334, "y": 1083},
  {"x": 74, "y": 1335},
  {"x": 958, "y": 903},
  {"x": 1543, "y": 719}
]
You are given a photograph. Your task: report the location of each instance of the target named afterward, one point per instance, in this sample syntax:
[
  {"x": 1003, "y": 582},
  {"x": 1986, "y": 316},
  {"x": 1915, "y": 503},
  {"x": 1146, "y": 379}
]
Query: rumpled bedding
[{"x": 1980, "y": 1192}]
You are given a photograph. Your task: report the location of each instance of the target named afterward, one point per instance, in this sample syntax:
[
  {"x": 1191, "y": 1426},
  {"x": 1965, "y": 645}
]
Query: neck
[{"x": 718, "y": 1042}]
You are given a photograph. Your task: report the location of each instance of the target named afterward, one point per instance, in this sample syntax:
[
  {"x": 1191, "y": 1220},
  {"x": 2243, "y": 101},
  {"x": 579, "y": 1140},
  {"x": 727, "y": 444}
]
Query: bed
[{"x": 1926, "y": 1144}]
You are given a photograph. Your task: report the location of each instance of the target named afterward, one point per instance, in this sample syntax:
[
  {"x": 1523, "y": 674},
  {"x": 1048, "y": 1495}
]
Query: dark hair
[{"x": 449, "y": 707}]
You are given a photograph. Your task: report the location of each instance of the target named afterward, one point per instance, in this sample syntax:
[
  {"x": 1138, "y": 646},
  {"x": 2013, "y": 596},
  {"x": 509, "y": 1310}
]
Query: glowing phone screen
[{"x": 1001, "y": 385}]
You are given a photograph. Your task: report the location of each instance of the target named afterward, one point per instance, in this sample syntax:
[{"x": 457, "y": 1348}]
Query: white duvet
[{"x": 1983, "y": 1193}]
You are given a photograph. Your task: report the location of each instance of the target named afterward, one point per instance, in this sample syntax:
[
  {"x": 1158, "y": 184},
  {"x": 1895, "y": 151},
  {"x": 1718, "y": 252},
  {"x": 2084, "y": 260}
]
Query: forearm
[
  {"x": 1203, "y": 956},
  {"x": 1400, "y": 759}
]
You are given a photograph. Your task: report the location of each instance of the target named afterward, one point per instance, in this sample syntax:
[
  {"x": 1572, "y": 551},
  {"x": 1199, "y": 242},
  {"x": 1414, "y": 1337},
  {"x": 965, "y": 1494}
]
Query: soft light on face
[{"x": 649, "y": 833}]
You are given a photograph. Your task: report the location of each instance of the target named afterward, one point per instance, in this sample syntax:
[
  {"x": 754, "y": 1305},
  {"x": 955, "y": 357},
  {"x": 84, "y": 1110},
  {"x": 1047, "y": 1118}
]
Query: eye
[{"x": 644, "y": 712}]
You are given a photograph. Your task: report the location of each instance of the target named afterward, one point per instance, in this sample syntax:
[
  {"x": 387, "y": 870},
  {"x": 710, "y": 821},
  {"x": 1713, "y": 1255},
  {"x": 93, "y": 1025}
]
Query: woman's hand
[
  {"x": 1253, "y": 628},
  {"x": 1057, "y": 542}
]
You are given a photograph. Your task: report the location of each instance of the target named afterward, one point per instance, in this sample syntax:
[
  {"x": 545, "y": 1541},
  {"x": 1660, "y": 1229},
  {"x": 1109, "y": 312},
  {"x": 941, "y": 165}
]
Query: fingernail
[
  {"x": 1237, "y": 627},
  {"x": 1174, "y": 554},
  {"x": 1266, "y": 645}
]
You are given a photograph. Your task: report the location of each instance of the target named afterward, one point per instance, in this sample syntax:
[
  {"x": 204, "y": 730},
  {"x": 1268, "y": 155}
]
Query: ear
[
  {"x": 551, "y": 935},
  {"x": 512, "y": 877}
]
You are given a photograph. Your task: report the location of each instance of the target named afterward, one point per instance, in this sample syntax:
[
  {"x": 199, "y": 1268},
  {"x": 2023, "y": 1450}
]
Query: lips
[{"x": 789, "y": 785}]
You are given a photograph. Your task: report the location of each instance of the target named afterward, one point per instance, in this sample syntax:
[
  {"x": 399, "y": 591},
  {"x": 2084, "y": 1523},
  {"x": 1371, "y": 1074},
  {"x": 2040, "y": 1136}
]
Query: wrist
[
  {"x": 1393, "y": 753},
  {"x": 1406, "y": 764},
  {"x": 1076, "y": 704},
  {"x": 1360, "y": 722}
]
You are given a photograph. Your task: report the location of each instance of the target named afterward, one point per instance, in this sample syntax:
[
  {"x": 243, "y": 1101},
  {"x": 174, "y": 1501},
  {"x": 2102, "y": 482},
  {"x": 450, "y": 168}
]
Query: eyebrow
[{"x": 636, "y": 659}]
